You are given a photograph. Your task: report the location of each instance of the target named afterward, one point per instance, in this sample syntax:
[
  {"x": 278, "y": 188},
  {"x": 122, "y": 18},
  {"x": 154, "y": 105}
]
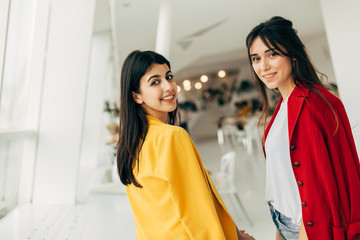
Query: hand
[
  {"x": 242, "y": 235},
  {"x": 302, "y": 232}
]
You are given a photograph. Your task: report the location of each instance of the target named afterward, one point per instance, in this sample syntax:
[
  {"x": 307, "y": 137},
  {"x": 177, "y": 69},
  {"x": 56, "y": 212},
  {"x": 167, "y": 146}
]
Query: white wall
[
  {"x": 342, "y": 20},
  {"x": 63, "y": 100},
  {"x": 318, "y": 50}
]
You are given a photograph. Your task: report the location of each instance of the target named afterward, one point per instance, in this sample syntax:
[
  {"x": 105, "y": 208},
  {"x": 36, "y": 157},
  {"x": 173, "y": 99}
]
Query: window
[
  {"x": 15, "y": 49},
  {"x": 14, "y": 88},
  {"x": 10, "y": 165}
]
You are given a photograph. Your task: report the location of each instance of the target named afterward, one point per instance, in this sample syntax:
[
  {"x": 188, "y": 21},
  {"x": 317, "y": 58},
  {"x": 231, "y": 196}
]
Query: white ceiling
[{"x": 215, "y": 29}]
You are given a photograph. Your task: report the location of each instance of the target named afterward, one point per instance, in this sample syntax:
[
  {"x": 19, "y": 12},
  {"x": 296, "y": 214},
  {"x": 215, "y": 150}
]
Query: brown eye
[
  {"x": 255, "y": 59},
  {"x": 155, "y": 82},
  {"x": 170, "y": 77},
  {"x": 273, "y": 54}
]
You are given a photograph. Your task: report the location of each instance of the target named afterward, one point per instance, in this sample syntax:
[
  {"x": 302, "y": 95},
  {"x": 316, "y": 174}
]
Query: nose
[
  {"x": 265, "y": 65},
  {"x": 167, "y": 85}
]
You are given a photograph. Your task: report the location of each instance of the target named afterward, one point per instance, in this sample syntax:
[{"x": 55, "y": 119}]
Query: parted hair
[
  {"x": 278, "y": 33},
  {"x": 133, "y": 122}
]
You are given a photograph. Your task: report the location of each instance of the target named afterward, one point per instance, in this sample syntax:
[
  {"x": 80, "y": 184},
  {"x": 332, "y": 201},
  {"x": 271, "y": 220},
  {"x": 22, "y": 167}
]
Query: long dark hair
[
  {"x": 133, "y": 121},
  {"x": 277, "y": 32}
]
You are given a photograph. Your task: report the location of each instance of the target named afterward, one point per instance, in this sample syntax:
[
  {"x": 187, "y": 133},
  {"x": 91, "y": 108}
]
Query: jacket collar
[
  {"x": 153, "y": 120},
  {"x": 300, "y": 91},
  {"x": 295, "y": 103}
]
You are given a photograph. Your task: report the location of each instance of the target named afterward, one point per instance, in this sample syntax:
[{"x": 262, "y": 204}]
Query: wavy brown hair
[
  {"x": 279, "y": 33},
  {"x": 133, "y": 121}
]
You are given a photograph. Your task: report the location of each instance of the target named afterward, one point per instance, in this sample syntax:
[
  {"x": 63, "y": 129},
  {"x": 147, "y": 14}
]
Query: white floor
[
  {"x": 250, "y": 182},
  {"x": 108, "y": 216}
]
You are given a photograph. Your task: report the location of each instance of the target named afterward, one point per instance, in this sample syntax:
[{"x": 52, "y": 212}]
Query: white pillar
[
  {"x": 63, "y": 100},
  {"x": 4, "y": 14},
  {"x": 342, "y": 20},
  {"x": 94, "y": 109},
  {"x": 115, "y": 42},
  {"x": 93, "y": 141},
  {"x": 163, "y": 35}
]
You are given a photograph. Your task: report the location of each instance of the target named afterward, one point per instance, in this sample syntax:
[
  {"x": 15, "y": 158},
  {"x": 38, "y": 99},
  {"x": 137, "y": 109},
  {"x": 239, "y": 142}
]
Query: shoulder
[
  {"x": 318, "y": 99},
  {"x": 167, "y": 129},
  {"x": 168, "y": 132},
  {"x": 331, "y": 98},
  {"x": 323, "y": 107}
]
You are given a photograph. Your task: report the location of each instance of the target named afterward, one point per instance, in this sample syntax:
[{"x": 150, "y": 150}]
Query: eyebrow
[
  {"x": 155, "y": 76},
  {"x": 266, "y": 51}
]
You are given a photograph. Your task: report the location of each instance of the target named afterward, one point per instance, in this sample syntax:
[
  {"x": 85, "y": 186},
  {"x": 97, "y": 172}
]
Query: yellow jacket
[{"x": 178, "y": 199}]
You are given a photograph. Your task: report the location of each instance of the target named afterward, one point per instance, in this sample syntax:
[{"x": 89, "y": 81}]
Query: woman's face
[
  {"x": 158, "y": 92},
  {"x": 272, "y": 67}
]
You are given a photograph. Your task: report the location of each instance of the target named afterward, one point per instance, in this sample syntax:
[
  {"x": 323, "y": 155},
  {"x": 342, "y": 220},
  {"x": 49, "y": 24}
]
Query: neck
[
  {"x": 285, "y": 92},
  {"x": 163, "y": 118}
]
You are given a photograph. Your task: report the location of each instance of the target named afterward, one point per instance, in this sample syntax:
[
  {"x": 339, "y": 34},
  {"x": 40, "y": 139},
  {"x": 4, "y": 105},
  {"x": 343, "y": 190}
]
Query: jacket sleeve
[
  {"x": 189, "y": 187},
  {"x": 348, "y": 169}
]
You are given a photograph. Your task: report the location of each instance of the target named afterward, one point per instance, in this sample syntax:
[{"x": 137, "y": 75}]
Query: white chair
[
  {"x": 245, "y": 140},
  {"x": 230, "y": 136},
  {"x": 224, "y": 181},
  {"x": 252, "y": 132}
]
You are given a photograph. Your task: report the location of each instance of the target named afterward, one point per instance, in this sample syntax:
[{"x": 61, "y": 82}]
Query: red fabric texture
[{"x": 329, "y": 165}]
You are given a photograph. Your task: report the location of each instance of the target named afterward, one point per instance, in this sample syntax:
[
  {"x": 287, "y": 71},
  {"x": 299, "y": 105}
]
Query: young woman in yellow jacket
[{"x": 170, "y": 192}]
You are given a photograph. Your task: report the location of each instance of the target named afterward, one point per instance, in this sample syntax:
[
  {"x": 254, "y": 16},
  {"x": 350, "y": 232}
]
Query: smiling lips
[
  {"x": 169, "y": 98},
  {"x": 269, "y": 76}
]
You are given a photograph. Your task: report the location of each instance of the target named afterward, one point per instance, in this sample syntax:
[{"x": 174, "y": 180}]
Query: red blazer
[{"x": 325, "y": 164}]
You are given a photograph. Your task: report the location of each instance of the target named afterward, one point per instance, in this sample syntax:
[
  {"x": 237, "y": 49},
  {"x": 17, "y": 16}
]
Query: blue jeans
[{"x": 287, "y": 229}]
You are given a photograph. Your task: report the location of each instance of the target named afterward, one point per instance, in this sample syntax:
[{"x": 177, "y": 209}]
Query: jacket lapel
[{"x": 295, "y": 103}]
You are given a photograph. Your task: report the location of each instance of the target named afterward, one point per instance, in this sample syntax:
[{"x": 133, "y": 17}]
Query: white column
[
  {"x": 114, "y": 38},
  {"x": 94, "y": 109},
  {"x": 63, "y": 100},
  {"x": 163, "y": 35},
  {"x": 93, "y": 141},
  {"x": 342, "y": 20},
  {"x": 4, "y": 14}
]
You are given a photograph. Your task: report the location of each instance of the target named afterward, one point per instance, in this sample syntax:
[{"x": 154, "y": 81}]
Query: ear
[{"x": 137, "y": 97}]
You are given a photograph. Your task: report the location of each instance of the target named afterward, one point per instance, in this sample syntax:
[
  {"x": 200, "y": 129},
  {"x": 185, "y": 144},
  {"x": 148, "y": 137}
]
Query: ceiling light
[
  {"x": 204, "y": 78},
  {"x": 178, "y": 88},
  {"x": 222, "y": 74},
  {"x": 198, "y": 85},
  {"x": 186, "y": 83},
  {"x": 187, "y": 88}
]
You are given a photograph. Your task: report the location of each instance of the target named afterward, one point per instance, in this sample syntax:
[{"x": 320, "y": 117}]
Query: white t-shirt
[{"x": 281, "y": 187}]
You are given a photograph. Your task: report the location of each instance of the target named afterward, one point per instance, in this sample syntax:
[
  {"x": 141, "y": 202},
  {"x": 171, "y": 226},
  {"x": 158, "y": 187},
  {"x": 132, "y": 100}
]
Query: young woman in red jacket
[{"x": 312, "y": 167}]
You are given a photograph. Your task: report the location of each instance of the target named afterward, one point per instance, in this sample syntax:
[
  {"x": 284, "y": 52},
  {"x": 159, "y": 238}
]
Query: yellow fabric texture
[{"x": 178, "y": 199}]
